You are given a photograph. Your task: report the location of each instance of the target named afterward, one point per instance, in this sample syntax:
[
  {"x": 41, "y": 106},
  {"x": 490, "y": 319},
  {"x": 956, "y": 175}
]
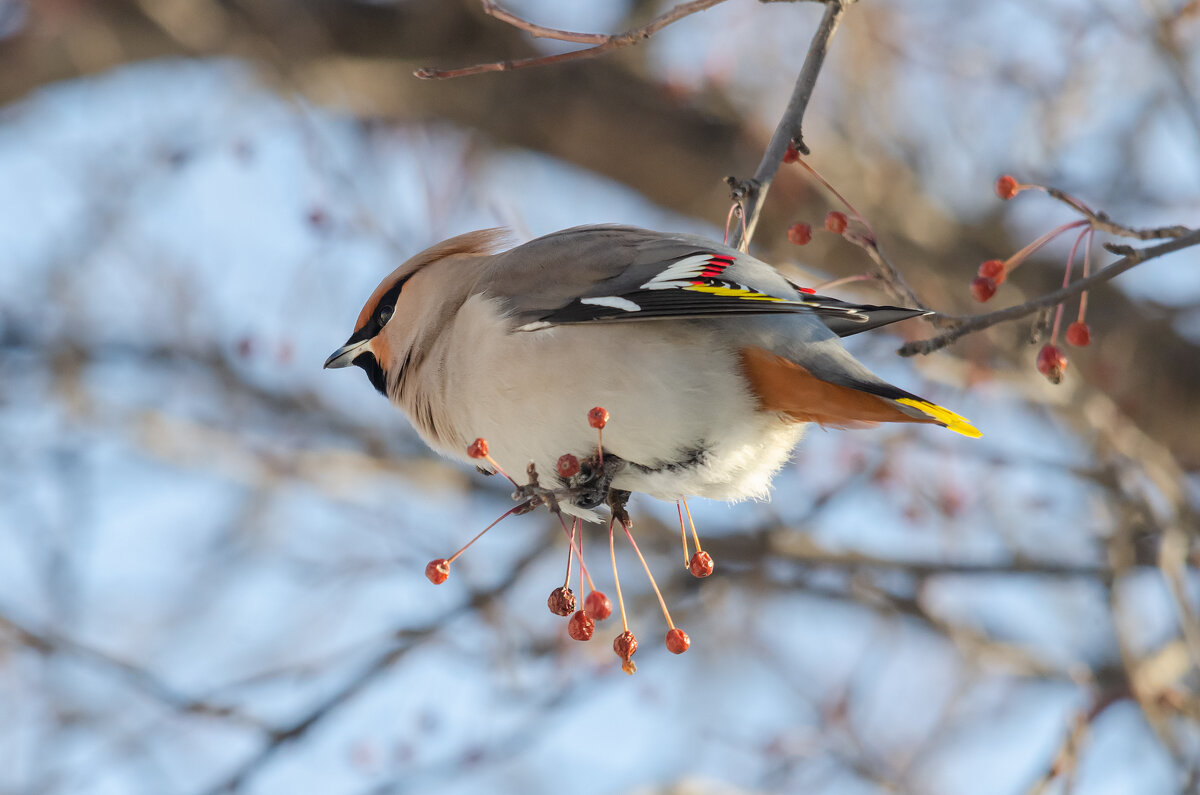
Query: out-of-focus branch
[
  {"x": 49, "y": 643},
  {"x": 750, "y": 194},
  {"x": 968, "y": 325},
  {"x": 604, "y": 42},
  {"x": 397, "y": 648}
]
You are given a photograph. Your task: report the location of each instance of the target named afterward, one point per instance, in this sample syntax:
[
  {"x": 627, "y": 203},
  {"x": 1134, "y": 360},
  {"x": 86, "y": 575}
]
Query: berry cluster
[
  {"x": 562, "y": 601},
  {"x": 1051, "y": 362}
]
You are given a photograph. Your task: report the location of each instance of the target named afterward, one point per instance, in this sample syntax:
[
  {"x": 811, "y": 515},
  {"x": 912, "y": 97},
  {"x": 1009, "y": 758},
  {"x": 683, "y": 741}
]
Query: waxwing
[{"x": 709, "y": 362}]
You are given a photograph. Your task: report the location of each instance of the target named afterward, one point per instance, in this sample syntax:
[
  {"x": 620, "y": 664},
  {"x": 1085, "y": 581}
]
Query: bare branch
[
  {"x": 604, "y": 43},
  {"x": 751, "y": 193},
  {"x": 967, "y": 325}
]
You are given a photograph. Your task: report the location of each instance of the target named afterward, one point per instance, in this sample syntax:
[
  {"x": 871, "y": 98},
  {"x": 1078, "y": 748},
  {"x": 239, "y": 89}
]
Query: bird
[{"x": 710, "y": 363}]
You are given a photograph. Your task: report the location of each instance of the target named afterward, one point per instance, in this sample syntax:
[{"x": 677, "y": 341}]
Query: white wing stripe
[{"x": 614, "y": 301}]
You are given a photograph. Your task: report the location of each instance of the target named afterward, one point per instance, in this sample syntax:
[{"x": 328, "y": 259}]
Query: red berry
[
  {"x": 581, "y": 626},
  {"x": 436, "y": 571},
  {"x": 701, "y": 564},
  {"x": 836, "y": 222},
  {"x": 1078, "y": 334},
  {"x": 567, "y": 466},
  {"x": 678, "y": 641},
  {"x": 561, "y": 601},
  {"x": 993, "y": 269},
  {"x": 598, "y": 417},
  {"x": 478, "y": 448},
  {"x": 791, "y": 155},
  {"x": 625, "y": 645},
  {"x": 799, "y": 234},
  {"x": 1007, "y": 187},
  {"x": 598, "y": 605},
  {"x": 982, "y": 288},
  {"x": 1051, "y": 363}
]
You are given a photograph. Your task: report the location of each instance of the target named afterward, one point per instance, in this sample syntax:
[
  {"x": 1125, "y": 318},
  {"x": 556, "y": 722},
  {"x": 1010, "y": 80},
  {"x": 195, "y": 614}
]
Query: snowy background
[{"x": 211, "y": 551}]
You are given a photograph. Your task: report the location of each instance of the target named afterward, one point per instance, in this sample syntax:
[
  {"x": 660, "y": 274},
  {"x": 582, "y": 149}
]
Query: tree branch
[
  {"x": 750, "y": 194},
  {"x": 603, "y": 42},
  {"x": 968, "y": 325}
]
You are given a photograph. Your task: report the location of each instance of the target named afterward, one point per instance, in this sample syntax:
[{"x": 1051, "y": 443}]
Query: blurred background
[{"x": 211, "y": 551}]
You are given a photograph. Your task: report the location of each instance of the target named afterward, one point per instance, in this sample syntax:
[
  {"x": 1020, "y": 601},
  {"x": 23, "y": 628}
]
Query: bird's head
[{"x": 409, "y": 308}]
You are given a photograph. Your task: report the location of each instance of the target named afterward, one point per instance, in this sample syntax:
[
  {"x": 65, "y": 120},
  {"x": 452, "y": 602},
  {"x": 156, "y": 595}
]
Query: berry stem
[
  {"x": 857, "y": 215},
  {"x": 695, "y": 535},
  {"x": 682, "y": 532},
  {"x": 862, "y": 277},
  {"x": 661, "y": 602},
  {"x": 1016, "y": 259},
  {"x": 518, "y": 507},
  {"x": 1087, "y": 267},
  {"x": 496, "y": 467},
  {"x": 570, "y": 534},
  {"x": 578, "y": 523},
  {"x": 612, "y": 554},
  {"x": 1058, "y": 312},
  {"x": 570, "y": 555}
]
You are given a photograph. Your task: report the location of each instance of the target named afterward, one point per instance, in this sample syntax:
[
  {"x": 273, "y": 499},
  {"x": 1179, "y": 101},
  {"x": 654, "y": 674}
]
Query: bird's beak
[{"x": 345, "y": 355}]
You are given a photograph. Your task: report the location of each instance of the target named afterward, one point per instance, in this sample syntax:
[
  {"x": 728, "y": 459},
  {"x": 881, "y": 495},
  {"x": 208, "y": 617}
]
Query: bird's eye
[{"x": 385, "y": 313}]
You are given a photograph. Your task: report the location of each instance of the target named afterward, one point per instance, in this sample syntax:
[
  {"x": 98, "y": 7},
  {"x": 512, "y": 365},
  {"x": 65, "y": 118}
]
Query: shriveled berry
[
  {"x": 561, "y": 601},
  {"x": 836, "y": 222},
  {"x": 678, "y": 641},
  {"x": 625, "y": 645},
  {"x": 1007, "y": 187},
  {"x": 791, "y": 155},
  {"x": 567, "y": 466},
  {"x": 1051, "y": 363},
  {"x": 478, "y": 448},
  {"x": 436, "y": 571},
  {"x": 598, "y": 417},
  {"x": 799, "y": 234},
  {"x": 597, "y": 605},
  {"x": 701, "y": 564},
  {"x": 581, "y": 626},
  {"x": 982, "y": 288},
  {"x": 993, "y": 269},
  {"x": 1078, "y": 334}
]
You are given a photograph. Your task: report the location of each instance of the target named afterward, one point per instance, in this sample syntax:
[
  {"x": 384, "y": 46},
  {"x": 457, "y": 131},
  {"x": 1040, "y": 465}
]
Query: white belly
[{"x": 680, "y": 412}]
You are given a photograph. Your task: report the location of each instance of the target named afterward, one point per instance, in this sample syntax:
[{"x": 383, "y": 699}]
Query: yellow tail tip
[{"x": 944, "y": 417}]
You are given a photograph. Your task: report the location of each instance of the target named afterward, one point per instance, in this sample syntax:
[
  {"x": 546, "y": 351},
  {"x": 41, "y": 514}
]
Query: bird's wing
[{"x": 611, "y": 274}]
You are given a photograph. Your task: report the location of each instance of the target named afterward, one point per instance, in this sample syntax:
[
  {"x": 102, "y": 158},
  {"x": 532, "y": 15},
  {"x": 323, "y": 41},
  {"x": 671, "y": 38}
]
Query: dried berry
[
  {"x": 982, "y": 288},
  {"x": 701, "y": 564},
  {"x": 561, "y": 601},
  {"x": 567, "y": 466},
  {"x": 436, "y": 571},
  {"x": 1051, "y": 363},
  {"x": 836, "y": 222},
  {"x": 1007, "y": 187},
  {"x": 478, "y": 448},
  {"x": 625, "y": 645},
  {"x": 581, "y": 626},
  {"x": 598, "y": 417},
  {"x": 678, "y": 641},
  {"x": 598, "y": 605},
  {"x": 799, "y": 234},
  {"x": 993, "y": 269},
  {"x": 1078, "y": 334}
]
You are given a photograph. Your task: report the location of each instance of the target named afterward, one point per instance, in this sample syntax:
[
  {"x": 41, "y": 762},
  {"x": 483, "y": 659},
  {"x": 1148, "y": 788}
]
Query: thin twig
[
  {"x": 604, "y": 42},
  {"x": 964, "y": 326},
  {"x": 1102, "y": 223},
  {"x": 753, "y": 192}
]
